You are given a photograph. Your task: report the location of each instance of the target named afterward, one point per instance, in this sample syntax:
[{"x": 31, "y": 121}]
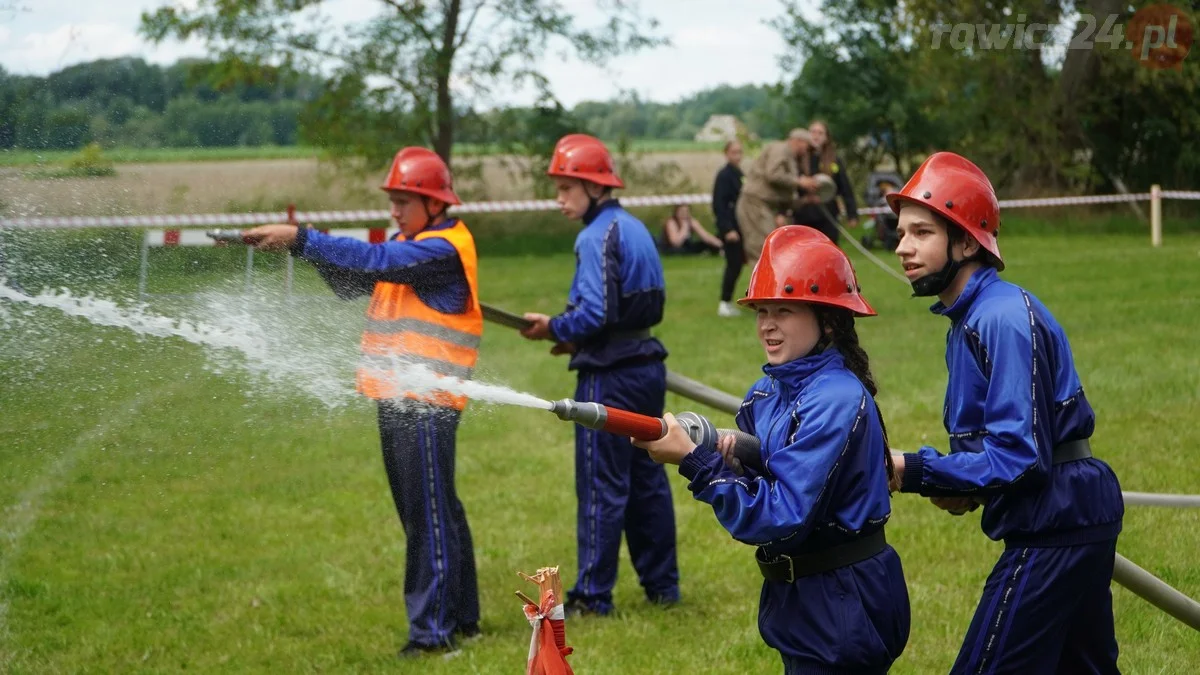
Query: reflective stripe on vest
[
  {"x": 401, "y": 330},
  {"x": 443, "y": 333}
]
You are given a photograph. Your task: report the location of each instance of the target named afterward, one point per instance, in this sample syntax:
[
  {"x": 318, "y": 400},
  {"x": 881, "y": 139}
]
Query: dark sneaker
[
  {"x": 669, "y": 600},
  {"x": 579, "y": 608},
  {"x": 468, "y": 631},
  {"x": 416, "y": 649}
]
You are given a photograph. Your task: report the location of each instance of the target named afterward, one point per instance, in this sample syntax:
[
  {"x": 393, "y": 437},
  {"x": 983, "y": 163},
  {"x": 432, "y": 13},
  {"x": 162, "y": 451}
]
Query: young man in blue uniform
[
  {"x": 1019, "y": 424},
  {"x": 424, "y": 311},
  {"x": 617, "y": 295}
]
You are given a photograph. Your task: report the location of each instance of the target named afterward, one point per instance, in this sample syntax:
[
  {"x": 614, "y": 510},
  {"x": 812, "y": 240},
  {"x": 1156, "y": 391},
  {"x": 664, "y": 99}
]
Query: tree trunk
[
  {"x": 443, "y": 139},
  {"x": 1079, "y": 72}
]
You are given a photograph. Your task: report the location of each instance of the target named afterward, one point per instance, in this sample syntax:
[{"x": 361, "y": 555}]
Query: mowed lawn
[{"x": 161, "y": 514}]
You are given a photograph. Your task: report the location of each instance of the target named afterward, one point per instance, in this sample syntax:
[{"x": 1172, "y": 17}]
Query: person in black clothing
[
  {"x": 823, "y": 158},
  {"x": 726, "y": 189}
]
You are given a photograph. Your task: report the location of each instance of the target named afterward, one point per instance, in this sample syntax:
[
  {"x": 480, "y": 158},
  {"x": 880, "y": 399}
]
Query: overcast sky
[{"x": 715, "y": 42}]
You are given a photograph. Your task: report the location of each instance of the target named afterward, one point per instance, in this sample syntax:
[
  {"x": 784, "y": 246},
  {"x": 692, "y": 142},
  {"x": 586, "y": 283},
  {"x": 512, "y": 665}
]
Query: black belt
[
  {"x": 638, "y": 334},
  {"x": 1072, "y": 451},
  {"x": 1067, "y": 452},
  {"x": 790, "y": 568}
]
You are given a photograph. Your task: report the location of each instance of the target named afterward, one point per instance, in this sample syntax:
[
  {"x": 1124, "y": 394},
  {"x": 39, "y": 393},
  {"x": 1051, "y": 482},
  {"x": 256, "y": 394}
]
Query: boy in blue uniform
[
  {"x": 834, "y": 598},
  {"x": 616, "y": 297},
  {"x": 1019, "y": 424}
]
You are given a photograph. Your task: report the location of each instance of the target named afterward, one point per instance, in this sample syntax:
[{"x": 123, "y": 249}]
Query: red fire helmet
[
  {"x": 953, "y": 187},
  {"x": 586, "y": 158},
  {"x": 421, "y": 171},
  {"x": 800, "y": 264}
]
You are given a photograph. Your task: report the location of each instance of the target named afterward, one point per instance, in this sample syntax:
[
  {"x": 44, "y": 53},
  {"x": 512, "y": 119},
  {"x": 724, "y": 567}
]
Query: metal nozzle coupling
[
  {"x": 746, "y": 448},
  {"x": 590, "y": 415},
  {"x": 231, "y": 236}
]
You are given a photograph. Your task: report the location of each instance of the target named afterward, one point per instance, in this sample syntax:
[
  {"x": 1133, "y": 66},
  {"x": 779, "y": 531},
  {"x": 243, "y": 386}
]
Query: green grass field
[{"x": 164, "y": 510}]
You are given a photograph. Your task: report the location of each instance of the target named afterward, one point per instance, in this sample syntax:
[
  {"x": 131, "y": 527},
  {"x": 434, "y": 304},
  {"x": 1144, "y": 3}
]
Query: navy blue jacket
[
  {"x": 1012, "y": 396},
  {"x": 824, "y": 483},
  {"x": 825, "y": 477},
  {"x": 618, "y": 286},
  {"x": 352, "y": 267},
  {"x": 726, "y": 189}
]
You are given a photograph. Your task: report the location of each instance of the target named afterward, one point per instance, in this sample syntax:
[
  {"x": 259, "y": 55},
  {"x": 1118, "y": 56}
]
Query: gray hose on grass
[
  {"x": 1157, "y": 499},
  {"x": 1156, "y": 592}
]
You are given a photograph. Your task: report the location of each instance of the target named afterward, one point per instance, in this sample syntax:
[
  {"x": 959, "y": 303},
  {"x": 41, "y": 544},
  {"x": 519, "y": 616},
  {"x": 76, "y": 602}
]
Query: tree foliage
[
  {"x": 128, "y": 102},
  {"x": 1067, "y": 118},
  {"x": 402, "y": 76}
]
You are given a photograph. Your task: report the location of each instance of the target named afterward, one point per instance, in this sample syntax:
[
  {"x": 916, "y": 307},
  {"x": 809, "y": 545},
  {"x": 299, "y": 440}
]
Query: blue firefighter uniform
[
  {"x": 422, "y": 284},
  {"x": 1018, "y": 420},
  {"x": 824, "y": 488},
  {"x": 617, "y": 295}
]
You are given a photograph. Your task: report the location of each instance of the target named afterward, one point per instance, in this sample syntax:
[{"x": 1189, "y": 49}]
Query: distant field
[
  {"x": 154, "y": 155},
  {"x": 231, "y": 184}
]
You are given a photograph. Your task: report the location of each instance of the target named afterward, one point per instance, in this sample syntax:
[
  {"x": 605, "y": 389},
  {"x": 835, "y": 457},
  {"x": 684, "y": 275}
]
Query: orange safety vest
[{"x": 402, "y": 329}]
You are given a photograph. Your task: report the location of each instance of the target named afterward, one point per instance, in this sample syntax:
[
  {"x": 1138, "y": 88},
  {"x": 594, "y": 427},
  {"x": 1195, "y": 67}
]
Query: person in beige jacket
[{"x": 769, "y": 189}]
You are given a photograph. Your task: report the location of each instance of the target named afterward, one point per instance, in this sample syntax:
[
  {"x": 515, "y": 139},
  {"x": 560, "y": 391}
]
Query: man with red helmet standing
[
  {"x": 617, "y": 295},
  {"x": 1019, "y": 425},
  {"x": 424, "y": 313}
]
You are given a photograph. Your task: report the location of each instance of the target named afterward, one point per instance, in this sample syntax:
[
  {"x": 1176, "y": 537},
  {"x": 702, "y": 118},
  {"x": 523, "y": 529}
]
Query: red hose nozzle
[
  {"x": 645, "y": 428},
  {"x": 612, "y": 420}
]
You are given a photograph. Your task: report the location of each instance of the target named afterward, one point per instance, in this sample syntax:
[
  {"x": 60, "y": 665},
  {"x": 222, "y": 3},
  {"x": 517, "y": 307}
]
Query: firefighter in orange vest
[{"x": 424, "y": 314}]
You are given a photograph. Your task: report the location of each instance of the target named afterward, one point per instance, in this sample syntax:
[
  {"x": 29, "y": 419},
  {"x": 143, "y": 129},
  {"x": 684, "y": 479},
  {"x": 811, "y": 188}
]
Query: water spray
[
  {"x": 746, "y": 448},
  {"x": 703, "y": 433}
]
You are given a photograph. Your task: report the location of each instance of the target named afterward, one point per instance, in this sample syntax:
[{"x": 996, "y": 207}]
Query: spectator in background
[
  {"x": 769, "y": 189},
  {"x": 682, "y": 234},
  {"x": 822, "y": 158},
  {"x": 882, "y": 228},
  {"x": 726, "y": 189}
]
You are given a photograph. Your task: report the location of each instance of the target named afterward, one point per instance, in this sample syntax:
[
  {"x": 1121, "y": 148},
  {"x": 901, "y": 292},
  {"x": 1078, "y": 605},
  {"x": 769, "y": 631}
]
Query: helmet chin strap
[
  {"x": 935, "y": 283},
  {"x": 593, "y": 203},
  {"x": 826, "y": 339},
  {"x": 429, "y": 217}
]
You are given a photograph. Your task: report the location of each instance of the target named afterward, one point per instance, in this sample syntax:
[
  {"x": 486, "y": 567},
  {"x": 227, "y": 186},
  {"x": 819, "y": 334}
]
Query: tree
[
  {"x": 396, "y": 76},
  {"x": 1031, "y": 116},
  {"x": 860, "y": 74}
]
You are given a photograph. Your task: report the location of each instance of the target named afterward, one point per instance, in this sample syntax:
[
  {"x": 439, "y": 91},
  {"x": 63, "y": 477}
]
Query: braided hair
[{"x": 837, "y": 329}]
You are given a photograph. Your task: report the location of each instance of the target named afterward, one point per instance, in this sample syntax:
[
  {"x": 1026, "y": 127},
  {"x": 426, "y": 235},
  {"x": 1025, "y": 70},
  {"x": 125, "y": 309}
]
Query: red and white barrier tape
[
  {"x": 176, "y": 237},
  {"x": 363, "y": 216}
]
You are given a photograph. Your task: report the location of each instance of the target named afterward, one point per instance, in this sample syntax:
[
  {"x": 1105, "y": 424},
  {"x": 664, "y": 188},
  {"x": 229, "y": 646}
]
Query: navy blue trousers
[
  {"x": 853, "y": 620},
  {"x": 441, "y": 591},
  {"x": 1045, "y": 610},
  {"x": 621, "y": 490}
]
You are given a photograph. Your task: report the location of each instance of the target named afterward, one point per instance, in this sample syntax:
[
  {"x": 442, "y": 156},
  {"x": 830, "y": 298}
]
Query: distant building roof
[{"x": 722, "y": 128}]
